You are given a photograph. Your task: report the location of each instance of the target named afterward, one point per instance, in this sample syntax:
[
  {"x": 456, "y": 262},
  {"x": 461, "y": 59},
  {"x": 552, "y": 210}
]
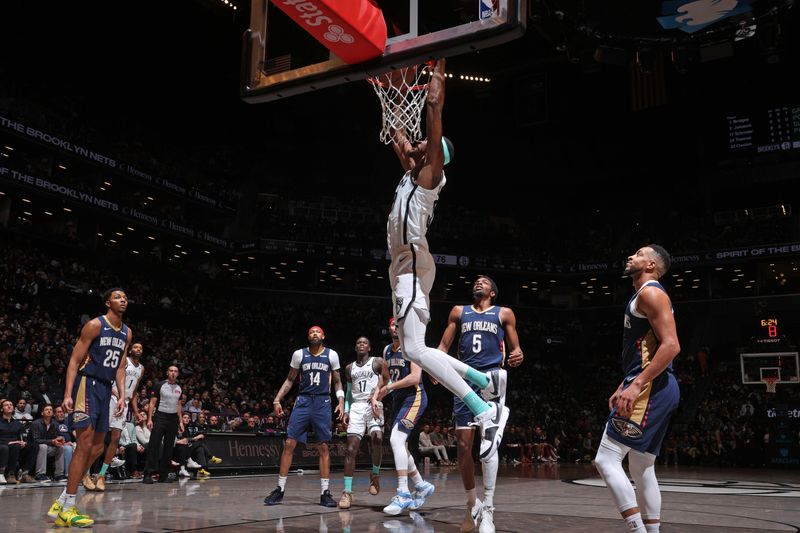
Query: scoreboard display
[{"x": 775, "y": 129}]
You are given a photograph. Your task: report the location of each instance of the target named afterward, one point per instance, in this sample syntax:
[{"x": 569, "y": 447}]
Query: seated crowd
[{"x": 230, "y": 375}]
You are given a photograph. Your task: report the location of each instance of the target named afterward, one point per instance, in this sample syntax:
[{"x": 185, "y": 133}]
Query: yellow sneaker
[
  {"x": 203, "y": 473},
  {"x": 215, "y": 460},
  {"x": 88, "y": 482},
  {"x": 54, "y": 509},
  {"x": 72, "y": 518},
  {"x": 100, "y": 483}
]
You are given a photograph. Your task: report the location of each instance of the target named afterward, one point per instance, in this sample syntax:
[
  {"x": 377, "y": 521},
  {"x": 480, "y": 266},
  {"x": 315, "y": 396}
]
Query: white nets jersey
[
  {"x": 364, "y": 380},
  {"x": 412, "y": 213},
  {"x": 133, "y": 373}
]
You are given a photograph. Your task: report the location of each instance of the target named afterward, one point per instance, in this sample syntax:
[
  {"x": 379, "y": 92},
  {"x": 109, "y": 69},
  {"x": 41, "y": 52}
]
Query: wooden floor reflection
[{"x": 531, "y": 499}]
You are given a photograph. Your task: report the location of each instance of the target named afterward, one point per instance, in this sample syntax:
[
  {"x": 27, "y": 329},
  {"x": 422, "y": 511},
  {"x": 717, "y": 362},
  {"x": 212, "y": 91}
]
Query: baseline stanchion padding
[{"x": 354, "y": 30}]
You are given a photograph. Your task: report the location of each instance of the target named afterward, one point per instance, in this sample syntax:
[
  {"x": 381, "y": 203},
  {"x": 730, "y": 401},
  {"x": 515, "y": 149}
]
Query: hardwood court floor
[{"x": 530, "y": 499}]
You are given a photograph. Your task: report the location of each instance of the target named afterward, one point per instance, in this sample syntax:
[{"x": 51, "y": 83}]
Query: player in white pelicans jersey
[
  {"x": 412, "y": 271},
  {"x": 134, "y": 370}
]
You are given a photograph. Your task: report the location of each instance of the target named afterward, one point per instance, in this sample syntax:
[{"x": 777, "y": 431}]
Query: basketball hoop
[
  {"x": 402, "y": 94},
  {"x": 771, "y": 384}
]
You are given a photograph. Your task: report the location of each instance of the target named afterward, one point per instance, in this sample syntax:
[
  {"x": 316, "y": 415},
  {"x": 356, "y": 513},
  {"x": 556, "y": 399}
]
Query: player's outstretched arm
[{"x": 431, "y": 174}]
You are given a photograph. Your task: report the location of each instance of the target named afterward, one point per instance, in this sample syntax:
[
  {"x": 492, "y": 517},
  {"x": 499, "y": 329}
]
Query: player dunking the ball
[
  {"x": 412, "y": 269},
  {"x": 645, "y": 400}
]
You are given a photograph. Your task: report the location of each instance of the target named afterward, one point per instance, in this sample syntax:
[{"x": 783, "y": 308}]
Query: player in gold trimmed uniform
[
  {"x": 645, "y": 400},
  {"x": 93, "y": 366}
]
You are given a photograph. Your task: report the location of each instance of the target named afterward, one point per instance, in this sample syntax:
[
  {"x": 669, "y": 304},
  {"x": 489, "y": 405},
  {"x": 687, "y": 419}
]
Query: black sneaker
[
  {"x": 275, "y": 497},
  {"x": 169, "y": 478},
  {"x": 59, "y": 479},
  {"x": 327, "y": 500},
  {"x": 42, "y": 478},
  {"x": 147, "y": 479}
]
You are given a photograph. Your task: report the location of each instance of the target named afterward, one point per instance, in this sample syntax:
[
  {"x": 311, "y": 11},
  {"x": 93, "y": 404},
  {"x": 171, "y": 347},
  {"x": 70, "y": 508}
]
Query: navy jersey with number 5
[
  {"x": 315, "y": 370},
  {"x": 482, "y": 334},
  {"x": 106, "y": 351}
]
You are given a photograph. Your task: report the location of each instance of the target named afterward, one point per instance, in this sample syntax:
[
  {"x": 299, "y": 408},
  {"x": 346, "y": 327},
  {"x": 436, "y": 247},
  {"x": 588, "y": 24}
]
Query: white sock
[
  {"x": 490, "y": 479},
  {"x": 415, "y": 477},
  {"x": 402, "y": 483},
  {"x": 282, "y": 482},
  {"x": 325, "y": 483},
  {"x": 69, "y": 501},
  {"x": 63, "y": 498},
  {"x": 472, "y": 497},
  {"x": 635, "y": 524},
  {"x": 653, "y": 528}
]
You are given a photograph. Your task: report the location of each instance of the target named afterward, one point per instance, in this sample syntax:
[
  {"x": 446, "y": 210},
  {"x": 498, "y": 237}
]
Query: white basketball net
[
  {"x": 771, "y": 384},
  {"x": 402, "y": 96}
]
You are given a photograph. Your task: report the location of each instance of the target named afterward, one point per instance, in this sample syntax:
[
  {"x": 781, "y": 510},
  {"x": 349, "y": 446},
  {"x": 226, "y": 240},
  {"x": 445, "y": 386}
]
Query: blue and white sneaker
[
  {"x": 423, "y": 491},
  {"x": 496, "y": 389},
  {"x": 400, "y": 502}
]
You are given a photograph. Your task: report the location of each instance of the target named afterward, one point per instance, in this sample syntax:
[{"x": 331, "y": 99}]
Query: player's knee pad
[
  {"x": 399, "y": 450},
  {"x": 643, "y": 471},
  {"x": 609, "y": 463}
]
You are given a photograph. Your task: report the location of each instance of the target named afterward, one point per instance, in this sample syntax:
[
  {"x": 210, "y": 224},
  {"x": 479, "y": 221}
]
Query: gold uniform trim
[
  {"x": 414, "y": 409},
  {"x": 648, "y": 345},
  {"x": 80, "y": 398}
]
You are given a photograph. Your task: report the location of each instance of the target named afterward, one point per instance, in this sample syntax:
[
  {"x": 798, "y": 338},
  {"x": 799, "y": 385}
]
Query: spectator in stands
[
  {"x": 7, "y": 390},
  {"x": 24, "y": 393},
  {"x": 11, "y": 442},
  {"x": 426, "y": 446},
  {"x": 42, "y": 396},
  {"x": 142, "y": 431},
  {"x": 69, "y": 438},
  {"x": 198, "y": 448},
  {"x": 133, "y": 452},
  {"x": 45, "y": 436},
  {"x": 23, "y": 410},
  {"x": 214, "y": 424}
]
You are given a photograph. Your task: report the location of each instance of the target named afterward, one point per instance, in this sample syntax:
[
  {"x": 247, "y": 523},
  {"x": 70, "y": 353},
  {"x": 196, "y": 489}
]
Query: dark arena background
[{"x": 128, "y": 158}]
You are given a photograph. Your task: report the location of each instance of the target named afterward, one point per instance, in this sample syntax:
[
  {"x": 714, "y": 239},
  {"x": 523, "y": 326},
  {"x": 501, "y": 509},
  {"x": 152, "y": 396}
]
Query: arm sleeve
[
  {"x": 334, "y": 359},
  {"x": 297, "y": 358}
]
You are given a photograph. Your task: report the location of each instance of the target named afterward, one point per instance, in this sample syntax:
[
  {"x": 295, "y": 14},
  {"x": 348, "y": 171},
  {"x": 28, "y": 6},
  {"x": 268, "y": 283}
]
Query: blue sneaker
[
  {"x": 424, "y": 491},
  {"x": 275, "y": 497},
  {"x": 400, "y": 502}
]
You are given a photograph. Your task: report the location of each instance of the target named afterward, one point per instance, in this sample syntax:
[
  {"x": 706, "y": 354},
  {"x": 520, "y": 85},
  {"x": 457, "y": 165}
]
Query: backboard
[
  {"x": 785, "y": 366},
  {"x": 280, "y": 59}
]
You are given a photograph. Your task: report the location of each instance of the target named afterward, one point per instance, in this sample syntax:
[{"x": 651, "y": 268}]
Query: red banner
[{"x": 354, "y": 30}]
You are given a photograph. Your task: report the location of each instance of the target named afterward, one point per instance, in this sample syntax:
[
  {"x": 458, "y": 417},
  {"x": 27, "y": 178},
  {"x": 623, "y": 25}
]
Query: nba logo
[{"x": 485, "y": 9}]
